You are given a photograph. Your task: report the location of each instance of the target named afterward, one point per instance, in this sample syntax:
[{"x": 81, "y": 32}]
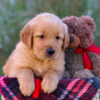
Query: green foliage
[{"x": 14, "y": 14}]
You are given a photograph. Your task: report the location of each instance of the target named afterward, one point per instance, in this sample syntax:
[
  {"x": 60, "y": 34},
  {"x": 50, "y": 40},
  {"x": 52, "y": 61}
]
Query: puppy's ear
[
  {"x": 26, "y": 35},
  {"x": 74, "y": 41},
  {"x": 66, "y": 38}
]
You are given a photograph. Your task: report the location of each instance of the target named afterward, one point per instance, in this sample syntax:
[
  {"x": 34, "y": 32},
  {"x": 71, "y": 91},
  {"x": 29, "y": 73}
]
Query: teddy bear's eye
[
  {"x": 41, "y": 36},
  {"x": 57, "y": 37}
]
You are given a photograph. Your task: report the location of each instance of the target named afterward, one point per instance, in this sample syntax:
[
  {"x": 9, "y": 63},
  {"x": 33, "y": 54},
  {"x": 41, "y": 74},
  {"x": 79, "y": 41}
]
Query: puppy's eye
[
  {"x": 57, "y": 37},
  {"x": 41, "y": 36}
]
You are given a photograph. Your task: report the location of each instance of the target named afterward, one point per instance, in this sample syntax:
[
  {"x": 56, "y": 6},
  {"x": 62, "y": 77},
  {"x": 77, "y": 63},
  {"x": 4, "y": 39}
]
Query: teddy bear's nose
[{"x": 50, "y": 51}]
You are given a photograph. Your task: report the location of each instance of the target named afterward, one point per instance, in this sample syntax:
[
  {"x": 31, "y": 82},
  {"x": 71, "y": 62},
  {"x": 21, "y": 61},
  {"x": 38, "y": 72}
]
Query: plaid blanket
[{"x": 68, "y": 89}]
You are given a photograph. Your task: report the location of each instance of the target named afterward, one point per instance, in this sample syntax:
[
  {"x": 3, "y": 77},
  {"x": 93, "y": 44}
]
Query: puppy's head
[{"x": 46, "y": 35}]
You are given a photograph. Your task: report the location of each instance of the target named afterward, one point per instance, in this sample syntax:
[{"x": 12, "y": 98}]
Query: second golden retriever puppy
[{"x": 40, "y": 53}]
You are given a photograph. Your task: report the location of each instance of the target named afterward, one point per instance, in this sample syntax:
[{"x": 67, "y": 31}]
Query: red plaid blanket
[{"x": 68, "y": 89}]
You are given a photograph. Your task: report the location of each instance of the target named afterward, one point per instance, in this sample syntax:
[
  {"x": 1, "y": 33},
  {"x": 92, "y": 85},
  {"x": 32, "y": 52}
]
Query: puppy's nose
[{"x": 50, "y": 51}]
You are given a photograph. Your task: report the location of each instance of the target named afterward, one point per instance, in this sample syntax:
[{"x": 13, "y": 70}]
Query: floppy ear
[
  {"x": 66, "y": 38},
  {"x": 26, "y": 35},
  {"x": 74, "y": 41}
]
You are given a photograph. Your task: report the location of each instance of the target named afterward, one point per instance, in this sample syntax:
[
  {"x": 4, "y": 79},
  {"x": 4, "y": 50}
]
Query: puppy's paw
[
  {"x": 83, "y": 74},
  {"x": 27, "y": 88},
  {"x": 49, "y": 85}
]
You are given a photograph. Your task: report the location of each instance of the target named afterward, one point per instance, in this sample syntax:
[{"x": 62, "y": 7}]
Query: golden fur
[{"x": 29, "y": 58}]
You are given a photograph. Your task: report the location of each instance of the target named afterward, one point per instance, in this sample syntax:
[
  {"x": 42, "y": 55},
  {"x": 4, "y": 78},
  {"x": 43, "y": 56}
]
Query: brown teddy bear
[{"x": 83, "y": 61}]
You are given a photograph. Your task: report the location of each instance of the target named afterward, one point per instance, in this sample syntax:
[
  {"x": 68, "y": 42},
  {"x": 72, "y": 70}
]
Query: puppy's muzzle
[{"x": 50, "y": 52}]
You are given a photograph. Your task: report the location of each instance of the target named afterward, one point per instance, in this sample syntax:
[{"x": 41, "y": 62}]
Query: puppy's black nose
[{"x": 50, "y": 51}]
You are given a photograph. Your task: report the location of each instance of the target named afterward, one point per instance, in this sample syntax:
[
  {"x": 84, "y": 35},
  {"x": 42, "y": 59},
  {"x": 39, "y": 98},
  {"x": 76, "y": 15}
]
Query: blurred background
[{"x": 14, "y": 14}]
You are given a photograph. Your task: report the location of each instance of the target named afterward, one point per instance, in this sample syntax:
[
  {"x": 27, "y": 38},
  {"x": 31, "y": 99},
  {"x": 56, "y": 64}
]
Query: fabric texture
[{"x": 68, "y": 89}]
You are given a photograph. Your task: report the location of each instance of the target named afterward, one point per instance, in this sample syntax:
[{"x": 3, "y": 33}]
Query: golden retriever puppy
[{"x": 40, "y": 53}]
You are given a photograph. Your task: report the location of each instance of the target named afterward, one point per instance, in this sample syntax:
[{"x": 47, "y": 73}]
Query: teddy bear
[{"x": 82, "y": 57}]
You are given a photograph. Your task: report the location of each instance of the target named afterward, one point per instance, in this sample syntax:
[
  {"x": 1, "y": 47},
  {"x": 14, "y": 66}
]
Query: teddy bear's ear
[
  {"x": 74, "y": 41},
  {"x": 69, "y": 20},
  {"x": 90, "y": 22}
]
